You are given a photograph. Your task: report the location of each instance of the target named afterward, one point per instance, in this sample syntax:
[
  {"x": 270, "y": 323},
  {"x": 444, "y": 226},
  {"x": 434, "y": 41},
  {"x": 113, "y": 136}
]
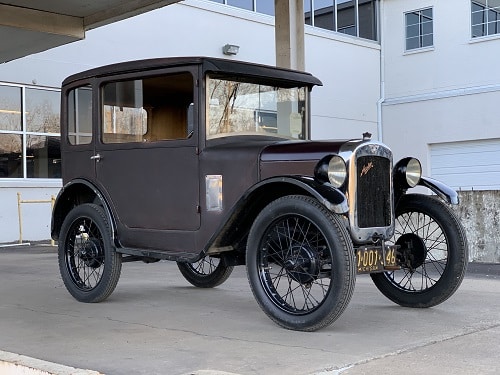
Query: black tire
[
  {"x": 208, "y": 272},
  {"x": 300, "y": 263},
  {"x": 434, "y": 252},
  {"x": 89, "y": 264}
]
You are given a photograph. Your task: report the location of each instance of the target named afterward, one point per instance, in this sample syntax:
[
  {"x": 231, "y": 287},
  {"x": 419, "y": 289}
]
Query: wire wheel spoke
[
  {"x": 205, "y": 266},
  {"x": 424, "y": 264},
  {"x": 85, "y": 254},
  {"x": 292, "y": 259}
]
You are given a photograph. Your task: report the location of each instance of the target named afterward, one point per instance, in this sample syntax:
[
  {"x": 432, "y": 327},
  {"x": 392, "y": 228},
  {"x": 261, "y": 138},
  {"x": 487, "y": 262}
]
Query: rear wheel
[
  {"x": 433, "y": 252},
  {"x": 300, "y": 263},
  {"x": 208, "y": 272},
  {"x": 89, "y": 265}
]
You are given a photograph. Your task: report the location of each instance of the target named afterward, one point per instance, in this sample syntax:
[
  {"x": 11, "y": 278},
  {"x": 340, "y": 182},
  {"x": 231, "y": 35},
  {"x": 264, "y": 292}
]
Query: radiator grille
[{"x": 373, "y": 197}]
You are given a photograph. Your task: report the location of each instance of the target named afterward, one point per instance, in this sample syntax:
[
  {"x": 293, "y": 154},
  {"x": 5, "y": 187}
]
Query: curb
[{"x": 16, "y": 364}]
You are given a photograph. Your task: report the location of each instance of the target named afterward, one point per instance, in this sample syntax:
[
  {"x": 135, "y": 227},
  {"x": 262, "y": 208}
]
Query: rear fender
[{"x": 71, "y": 195}]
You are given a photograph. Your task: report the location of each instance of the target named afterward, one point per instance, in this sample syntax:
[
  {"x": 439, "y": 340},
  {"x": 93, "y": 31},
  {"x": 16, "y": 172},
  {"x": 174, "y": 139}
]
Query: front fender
[
  {"x": 328, "y": 195},
  {"x": 442, "y": 190}
]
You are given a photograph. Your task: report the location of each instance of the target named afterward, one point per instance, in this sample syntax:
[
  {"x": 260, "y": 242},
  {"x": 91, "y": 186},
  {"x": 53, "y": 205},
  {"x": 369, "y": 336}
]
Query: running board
[{"x": 145, "y": 254}]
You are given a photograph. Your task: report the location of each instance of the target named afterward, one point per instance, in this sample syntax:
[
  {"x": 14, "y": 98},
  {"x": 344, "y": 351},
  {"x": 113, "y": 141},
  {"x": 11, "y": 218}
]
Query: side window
[
  {"x": 80, "y": 116},
  {"x": 148, "y": 110}
]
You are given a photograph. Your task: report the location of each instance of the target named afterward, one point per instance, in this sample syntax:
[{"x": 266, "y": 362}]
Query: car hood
[{"x": 294, "y": 157}]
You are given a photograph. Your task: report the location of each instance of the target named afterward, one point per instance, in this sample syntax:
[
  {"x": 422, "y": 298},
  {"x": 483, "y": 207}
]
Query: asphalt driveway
[{"x": 156, "y": 323}]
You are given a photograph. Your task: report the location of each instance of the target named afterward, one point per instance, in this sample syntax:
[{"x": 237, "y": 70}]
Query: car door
[{"x": 146, "y": 153}]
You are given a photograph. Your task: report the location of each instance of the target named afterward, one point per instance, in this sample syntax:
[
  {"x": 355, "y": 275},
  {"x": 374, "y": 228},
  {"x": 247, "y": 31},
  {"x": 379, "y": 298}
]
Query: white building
[
  {"x": 420, "y": 75},
  {"x": 441, "y": 97}
]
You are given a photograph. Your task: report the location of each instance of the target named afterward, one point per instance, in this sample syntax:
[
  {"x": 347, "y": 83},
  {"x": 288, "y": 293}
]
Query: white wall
[
  {"x": 346, "y": 106},
  {"x": 447, "y": 94},
  {"x": 343, "y": 108},
  {"x": 35, "y": 217}
]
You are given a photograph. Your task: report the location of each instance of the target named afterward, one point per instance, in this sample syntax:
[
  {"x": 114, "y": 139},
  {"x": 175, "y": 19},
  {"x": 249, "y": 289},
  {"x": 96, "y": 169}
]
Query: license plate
[{"x": 376, "y": 259}]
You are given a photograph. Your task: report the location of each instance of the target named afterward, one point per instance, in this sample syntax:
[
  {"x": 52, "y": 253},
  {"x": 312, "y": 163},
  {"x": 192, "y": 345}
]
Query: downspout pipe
[{"x": 380, "y": 102}]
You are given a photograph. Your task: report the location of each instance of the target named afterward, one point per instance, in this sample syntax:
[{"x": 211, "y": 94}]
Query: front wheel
[
  {"x": 208, "y": 272},
  {"x": 89, "y": 264},
  {"x": 433, "y": 252},
  {"x": 300, "y": 263}
]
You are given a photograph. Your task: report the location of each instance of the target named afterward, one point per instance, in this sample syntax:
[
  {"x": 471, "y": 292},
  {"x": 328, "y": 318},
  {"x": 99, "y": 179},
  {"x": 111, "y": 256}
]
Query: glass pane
[
  {"x": 11, "y": 157},
  {"x": 478, "y": 17},
  {"x": 412, "y": 18},
  {"x": 427, "y": 28},
  {"x": 323, "y": 14},
  {"x": 346, "y": 17},
  {"x": 427, "y": 41},
  {"x": 478, "y": 31},
  {"x": 149, "y": 110},
  {"x": 412, "y": 43},
  {"x": 243, "y": 108},
  {"x": 494, "y": 4},
  {"x": 43, "y": 156},
  {"x": 265, "y": 6},
  {"x": 492, "y": 28},
  {"x": 80, "y": 116},
  {"x": 42, "y": 111},
  {"x": 427, "y": 13},
  {"x": 412, "y": 31},
  {"x": 244, "y": 4},
  {"x": 10, "y": 108},
  {"x": 307, "y": 12},
  {"x": 367, "y": 19}
]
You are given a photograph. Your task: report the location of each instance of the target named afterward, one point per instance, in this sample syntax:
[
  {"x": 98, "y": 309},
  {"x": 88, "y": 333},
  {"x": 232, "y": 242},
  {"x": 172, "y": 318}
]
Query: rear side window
[
  {"x": 148, "y": 110},
  {"x": 80, "y": 116}
]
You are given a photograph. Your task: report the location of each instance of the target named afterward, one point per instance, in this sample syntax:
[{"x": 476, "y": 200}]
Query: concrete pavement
[{"x": 156, "y": 323}]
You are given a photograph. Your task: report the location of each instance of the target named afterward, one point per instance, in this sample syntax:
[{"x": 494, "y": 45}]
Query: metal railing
[{"x": 20, "y": 201}]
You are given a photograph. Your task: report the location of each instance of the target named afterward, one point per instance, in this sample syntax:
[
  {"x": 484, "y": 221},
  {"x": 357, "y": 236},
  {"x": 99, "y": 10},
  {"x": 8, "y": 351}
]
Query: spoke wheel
[
  {"x": 433, "y": 253},
  {"x": 88, "y": 262},
  {"x": 208, "y": 272},
  {"x": 300, "y": 263}
]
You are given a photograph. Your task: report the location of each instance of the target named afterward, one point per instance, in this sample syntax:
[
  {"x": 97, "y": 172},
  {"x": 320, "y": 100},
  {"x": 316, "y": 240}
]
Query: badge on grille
[{"x": 366, "y": 169}]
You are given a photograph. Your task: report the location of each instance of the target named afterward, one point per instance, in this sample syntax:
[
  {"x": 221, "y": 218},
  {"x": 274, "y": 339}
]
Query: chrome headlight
[
  {"x": 331, "y": 169},
  {"x": 407, "y": 172}
]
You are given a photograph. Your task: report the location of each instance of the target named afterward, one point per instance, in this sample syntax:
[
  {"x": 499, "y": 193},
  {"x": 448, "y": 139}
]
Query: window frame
[
  {"x": 24, "y": 133},
  {"x": 485, "y": 25},
  {"x": 190, "y": 140},
  {"x": 421, "y": 33}
]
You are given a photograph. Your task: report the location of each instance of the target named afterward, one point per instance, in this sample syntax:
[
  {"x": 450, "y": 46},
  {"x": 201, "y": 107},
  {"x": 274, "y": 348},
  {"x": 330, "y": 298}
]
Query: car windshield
[{"x": 236, "y": 107}]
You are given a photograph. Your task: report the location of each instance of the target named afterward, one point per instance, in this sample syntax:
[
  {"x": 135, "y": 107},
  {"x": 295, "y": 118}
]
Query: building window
[
  {"x": 353, "y": 17},
  {"x": 356, "y": 18},
  {"x": 419, "y": 29},
  {"x": 259, "y": 6},
  {"x": 485, "y": 17},
  {"x": 29, "y": 132}
]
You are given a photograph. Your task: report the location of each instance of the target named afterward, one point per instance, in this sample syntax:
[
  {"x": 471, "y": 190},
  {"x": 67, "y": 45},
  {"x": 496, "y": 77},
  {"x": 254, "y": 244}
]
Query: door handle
[{"x": 97, "y": 157}]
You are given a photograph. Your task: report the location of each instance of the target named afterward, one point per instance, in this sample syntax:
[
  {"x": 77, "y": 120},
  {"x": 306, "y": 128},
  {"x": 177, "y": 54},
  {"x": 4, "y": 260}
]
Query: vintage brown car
[{"x": 209, "y": 163}]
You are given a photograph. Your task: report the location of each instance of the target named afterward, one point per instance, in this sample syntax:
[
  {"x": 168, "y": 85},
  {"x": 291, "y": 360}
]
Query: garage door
[{"x": 471, "y": 165}]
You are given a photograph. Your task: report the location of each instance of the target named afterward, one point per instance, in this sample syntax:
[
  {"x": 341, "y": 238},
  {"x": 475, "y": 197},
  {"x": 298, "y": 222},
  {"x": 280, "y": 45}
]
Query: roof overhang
[{"x": 31, "y": 26}]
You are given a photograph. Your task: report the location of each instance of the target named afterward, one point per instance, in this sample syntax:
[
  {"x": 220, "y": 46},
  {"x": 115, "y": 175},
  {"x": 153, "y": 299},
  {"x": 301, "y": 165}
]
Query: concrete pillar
[{"x": 289, "y": 34}]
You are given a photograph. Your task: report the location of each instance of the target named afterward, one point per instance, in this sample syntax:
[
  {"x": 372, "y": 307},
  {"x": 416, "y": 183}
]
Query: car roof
[{"x": 209, "y": 64}]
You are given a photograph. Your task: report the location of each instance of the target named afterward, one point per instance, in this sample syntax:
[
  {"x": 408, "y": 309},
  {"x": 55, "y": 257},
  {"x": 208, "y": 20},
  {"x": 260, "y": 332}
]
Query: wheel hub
[
  {"x": 302, "y": 264},
  {"x": 92, "y": 252},
  {"x": 412, "y": 249}
]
